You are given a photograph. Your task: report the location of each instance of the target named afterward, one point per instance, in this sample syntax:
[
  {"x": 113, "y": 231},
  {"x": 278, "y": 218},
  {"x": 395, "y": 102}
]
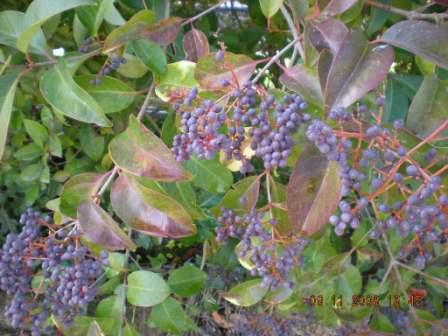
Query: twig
[
  {"x": 211, "y": 9},
  {"x": 275, "y": 59},
  {"x": 295, "y": 34},
  {"x": 441, "y": 281},
  {"x": 123, "y": 311},
  {"x": 411, "y": 15},
  {"x": 204, "y": 254}
]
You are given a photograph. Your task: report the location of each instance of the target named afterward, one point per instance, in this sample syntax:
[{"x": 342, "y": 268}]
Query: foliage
[{"x": 310, "y": 162}]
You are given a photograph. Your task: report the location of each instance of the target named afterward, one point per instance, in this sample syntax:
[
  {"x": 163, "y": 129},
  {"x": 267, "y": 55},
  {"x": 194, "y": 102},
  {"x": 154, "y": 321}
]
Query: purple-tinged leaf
[
  {"x": 328, "y": 34},
  {"x": 303, "y": 80},
  {"x": 356, "y": 69},
  {"x": 164, "y": 32},
  {"x": 149, "y": 211},
  {"x": 422, "y": 38},
  {"x": 99, "y": 227},
  {"x": 139, "y": 152},
  {"x": 334, "y": 7},
  {"x": 323, "y": 67},
  {"x": 313, "y": 191},
  {"x": 212, "y": 74},
  {"x": 195, "y": 45},
  {"x": 429, "y": 108},
  {"x": 78, "y": 189}
]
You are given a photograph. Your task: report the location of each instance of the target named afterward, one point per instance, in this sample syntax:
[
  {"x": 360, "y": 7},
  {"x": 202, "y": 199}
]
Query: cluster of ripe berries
[{"x": 69, "y": 273}]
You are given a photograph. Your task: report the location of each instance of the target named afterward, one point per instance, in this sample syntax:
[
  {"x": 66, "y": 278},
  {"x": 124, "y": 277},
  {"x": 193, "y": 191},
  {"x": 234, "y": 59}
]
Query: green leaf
[
  {"x": 28, "y": 152},
  {"x": 148, "y": 211},
  {"x": 187, "y": 280},
  {"x": 61, "y": 91},
  {"x": 380, "y": 322},
  {"x": 348, "y": 283},
  {"x": 114, "y": 17},
  {"x": 78, "y": 189},
  {"x": 131, "y": 30},
  {"x": 151, "y": 55},
  {"x": 146, "y": 289},
  {"x": 129, "y": 330},
  {"x": 38, "y": 12},
  {"x": 184, "y": 193},
  {"x": 94, "y": 329},
  {"x": 209, "y": 175},
  {"x": 426, "y": 67},
  {"x": 422, "y": 38},
  {"x": 429, "y": 107},
  {"x": 8, "y": 84},
  {"x": 37, "y": 132},
  {"x": 55, "y": 146},
  {"x": 177, "y": 75},
  {"x": 169, "y": 129},
  {"x": 171, "y": 318},
  {"x": 243, "y": 195},
  {"x": 92, "y": 144},
  {"x": 111, "y": 306},
  {"x": 378, "y": 18},
  {"x": 11, "y": 26},
  {"x": 139, "y": 152},
  {"x": 313, "y": 191},
  {"x": 357, "y": 68},
  {"x": 270, "y": 7},
  {"x": 133, "y": 68},
  {"x": 400, "y": 90},
  {"x": 246, "y": 294},
  {"x": 111, "y": 94},
  {"x": 99, "y": 228},
  {"x": 31, "y": 172},
  {"x": 104, "y": 7}
]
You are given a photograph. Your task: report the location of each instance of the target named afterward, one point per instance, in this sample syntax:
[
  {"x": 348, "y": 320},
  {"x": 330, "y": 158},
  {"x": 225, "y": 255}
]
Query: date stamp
[{"x": 394, "y": 301}]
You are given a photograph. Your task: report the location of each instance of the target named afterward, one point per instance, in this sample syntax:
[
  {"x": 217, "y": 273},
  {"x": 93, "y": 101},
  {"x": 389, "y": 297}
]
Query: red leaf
[
  {"x": 149, "y": 211},
  {"x": 164, "y": 32},
  {"x": 304, "y": 80},
  {"x": 101, "y": 229},
  {"x": 139, "y": 152},
  {"x": 356, "y": 69},
  {"x": 195, "y": 45},
  {"x": 328, "y": 34},
  {"x": 313, "y": 191},
  {"x": 334, "y": 7},
  {"x": 211, "y": 74},
  {"x": 422, "y": 38}
]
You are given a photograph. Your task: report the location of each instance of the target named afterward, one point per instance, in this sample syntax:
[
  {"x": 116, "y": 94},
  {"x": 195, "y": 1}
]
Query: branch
[
  {"x": 211, "y": 9},
  {"x": 295, "y": 34},
  {"x": 411, "y": 15},
  {"x": 275, "y": 59}
]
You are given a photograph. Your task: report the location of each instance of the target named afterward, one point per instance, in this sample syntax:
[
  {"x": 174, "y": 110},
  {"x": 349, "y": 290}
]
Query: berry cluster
[
  {"x": 268, "y": 127},
  {"x": 380, "y": 164},
  {"x": 271, "y": 262},
  {"x": 113, "y": 63},
  {"x": 201, "y": 136},
  {"x": 68, "y": 275},
  {"x": 273, "y": 143}
]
